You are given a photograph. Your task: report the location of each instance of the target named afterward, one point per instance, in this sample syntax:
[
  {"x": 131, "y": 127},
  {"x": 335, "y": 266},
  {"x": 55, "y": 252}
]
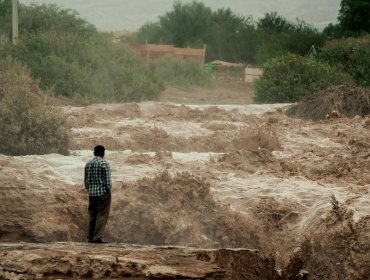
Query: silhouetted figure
[{"x": 98, "y": 183}]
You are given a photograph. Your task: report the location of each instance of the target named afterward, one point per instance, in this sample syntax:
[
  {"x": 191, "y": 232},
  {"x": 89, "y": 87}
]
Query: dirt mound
[
  {"x": 334, "y": 102},
  {"x": 177, "y": 210}
]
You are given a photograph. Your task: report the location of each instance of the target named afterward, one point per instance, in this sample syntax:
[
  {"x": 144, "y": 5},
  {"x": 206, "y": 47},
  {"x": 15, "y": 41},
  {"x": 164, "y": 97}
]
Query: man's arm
[
  {"x": 85, "y": 179},
  {"x": 107, "y": 176}
]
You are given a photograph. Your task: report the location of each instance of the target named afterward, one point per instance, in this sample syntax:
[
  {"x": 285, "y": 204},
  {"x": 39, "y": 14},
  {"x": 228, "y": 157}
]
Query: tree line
[
  {"x": 242, "y": 39},
  {"x": 229, "y": 36}
]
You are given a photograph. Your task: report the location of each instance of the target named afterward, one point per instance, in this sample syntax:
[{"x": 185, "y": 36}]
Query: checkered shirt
[{"x": 97, "y": 177}]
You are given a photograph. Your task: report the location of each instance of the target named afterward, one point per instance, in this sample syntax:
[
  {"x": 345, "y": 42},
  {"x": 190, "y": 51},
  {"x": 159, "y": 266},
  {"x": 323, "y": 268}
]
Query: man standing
[{"x": 98, "y": 183}]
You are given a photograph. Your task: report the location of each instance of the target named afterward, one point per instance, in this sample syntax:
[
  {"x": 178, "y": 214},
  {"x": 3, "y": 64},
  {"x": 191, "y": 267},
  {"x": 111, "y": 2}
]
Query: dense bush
[
  {"x": 72, "y": 59},
  {"x": 351, "y": 55},
  {"x": 290, "y": 78},
  {"x": 27, "y": 126},
  {"x": 90, "y": 69},
  {"x": 176, "y": 71}
]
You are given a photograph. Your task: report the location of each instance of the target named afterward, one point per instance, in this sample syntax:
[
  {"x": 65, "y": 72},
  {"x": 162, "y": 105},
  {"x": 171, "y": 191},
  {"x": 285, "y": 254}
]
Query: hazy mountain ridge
[{"x": 130, "y": 15}]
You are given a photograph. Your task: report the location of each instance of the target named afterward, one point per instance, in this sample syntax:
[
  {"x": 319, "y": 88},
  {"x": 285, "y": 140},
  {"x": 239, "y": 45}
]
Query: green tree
[
  {"x": 354, "y": 15},
  {"x": 333, "y": 31},
  {"x": 5, "y": 17},
  {"x": 151, "y": 33},
  {"x": 230, "y": 37},
  {"x": 187, "y": 23},
  {"x": 280, "y": 36},
  {"x": 5, "y": 7},
  {"x": 274, "y": 23},
  {"x": 44, "y": 18},
  {"x": 302, "y": 37}
]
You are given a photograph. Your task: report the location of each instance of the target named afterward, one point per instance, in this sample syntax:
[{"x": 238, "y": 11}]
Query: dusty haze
[{"x": 130, "y": 15}]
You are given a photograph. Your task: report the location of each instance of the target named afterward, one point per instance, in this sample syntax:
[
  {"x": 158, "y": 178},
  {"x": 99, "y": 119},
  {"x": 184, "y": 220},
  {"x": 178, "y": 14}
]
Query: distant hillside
[{"x": 130, "y": 15}]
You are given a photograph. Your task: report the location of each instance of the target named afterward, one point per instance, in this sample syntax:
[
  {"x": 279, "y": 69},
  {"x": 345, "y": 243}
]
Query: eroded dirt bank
[
  {"x": 207, "y": 177},
  {"x": 117, "y": 261}
]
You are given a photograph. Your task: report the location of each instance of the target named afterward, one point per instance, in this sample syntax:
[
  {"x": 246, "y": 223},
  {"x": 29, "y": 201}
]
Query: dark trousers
[{"x": 98, "y": 215}]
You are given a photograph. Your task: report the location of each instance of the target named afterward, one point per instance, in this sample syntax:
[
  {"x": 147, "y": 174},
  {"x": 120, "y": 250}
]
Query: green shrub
[
  {"x": 351, "y": 55},
  {"x": 27, "y": 125},
  {"x": 290, "y": 78},
  {"x": 88, "y": 68},
  {"x": 72, "y": 59},
  {"x": 176, "y": 71}
]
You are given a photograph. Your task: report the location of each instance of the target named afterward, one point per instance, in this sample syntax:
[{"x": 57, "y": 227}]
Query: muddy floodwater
[{"x": 205, "y": 176}]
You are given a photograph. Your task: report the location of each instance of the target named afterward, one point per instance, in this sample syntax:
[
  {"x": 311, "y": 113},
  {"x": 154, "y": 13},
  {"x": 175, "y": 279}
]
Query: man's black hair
[{"x": 99, "y": 151}]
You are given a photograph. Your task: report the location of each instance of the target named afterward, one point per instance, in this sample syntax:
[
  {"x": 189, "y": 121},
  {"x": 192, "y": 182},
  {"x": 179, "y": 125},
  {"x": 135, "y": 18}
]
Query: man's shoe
[
  {"x": 98, "y": 241},
  {"x": 101, "y": 241}
]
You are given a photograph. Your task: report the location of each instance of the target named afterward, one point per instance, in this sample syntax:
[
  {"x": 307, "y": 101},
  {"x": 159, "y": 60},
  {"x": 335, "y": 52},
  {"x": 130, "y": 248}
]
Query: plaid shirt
[{"x": 97, "y": 177}]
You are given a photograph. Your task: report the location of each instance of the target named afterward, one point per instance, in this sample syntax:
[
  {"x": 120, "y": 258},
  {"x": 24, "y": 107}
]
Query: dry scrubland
[{"x": 198, "y": 176}]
